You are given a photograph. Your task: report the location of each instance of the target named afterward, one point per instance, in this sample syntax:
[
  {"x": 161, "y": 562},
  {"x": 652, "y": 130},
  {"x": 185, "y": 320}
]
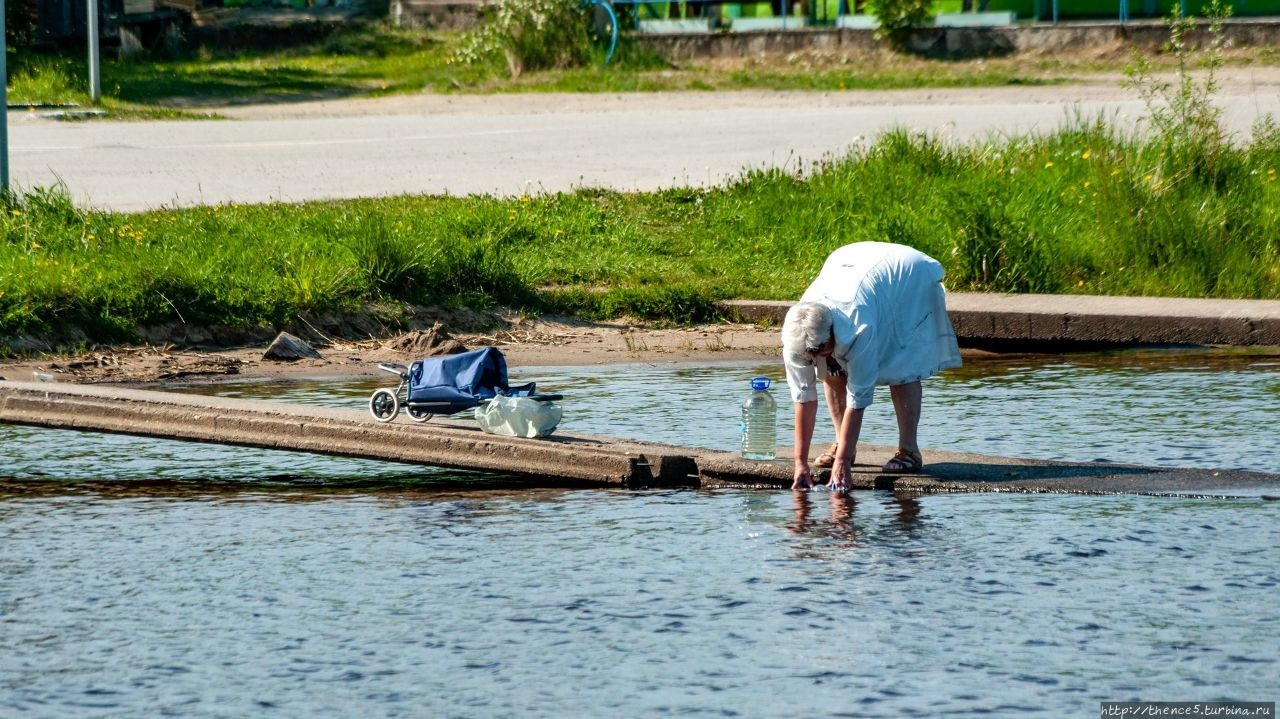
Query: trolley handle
[{"x": 398, "y": 370}]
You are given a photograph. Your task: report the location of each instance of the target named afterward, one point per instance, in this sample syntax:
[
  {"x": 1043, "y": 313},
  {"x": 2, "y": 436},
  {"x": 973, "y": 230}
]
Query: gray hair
[{"x": 807, "y": 326}]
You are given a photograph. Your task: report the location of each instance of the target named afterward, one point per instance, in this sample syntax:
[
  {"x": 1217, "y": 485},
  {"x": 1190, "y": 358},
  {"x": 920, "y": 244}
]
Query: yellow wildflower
[
  {"x": 1048, "y": 164},
  {"x": 1085, "y": 155}
]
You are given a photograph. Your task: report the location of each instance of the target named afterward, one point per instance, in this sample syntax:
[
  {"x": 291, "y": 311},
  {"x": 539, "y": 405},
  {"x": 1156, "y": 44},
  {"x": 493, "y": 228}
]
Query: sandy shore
[{"x": 530, "y": 343}]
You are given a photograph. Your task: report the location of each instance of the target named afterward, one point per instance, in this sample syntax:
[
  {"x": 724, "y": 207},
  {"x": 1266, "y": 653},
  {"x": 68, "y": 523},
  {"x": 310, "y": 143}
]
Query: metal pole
[
  {"x": 95, "y": 77},
  {"x": 4, "y": 107}
]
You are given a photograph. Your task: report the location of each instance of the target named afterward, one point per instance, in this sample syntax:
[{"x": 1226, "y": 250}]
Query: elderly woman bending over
[{"x": 875, "y": 315}]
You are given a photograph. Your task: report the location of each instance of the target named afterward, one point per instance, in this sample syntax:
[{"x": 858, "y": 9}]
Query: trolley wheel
[
  {"x": 418, "y": 415},
  {"x": 383, "y": 405}
]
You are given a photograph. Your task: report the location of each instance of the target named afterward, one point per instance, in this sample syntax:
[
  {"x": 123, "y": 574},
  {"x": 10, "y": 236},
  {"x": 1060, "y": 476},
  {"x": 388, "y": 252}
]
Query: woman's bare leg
[{"x": 906, "y": 406}]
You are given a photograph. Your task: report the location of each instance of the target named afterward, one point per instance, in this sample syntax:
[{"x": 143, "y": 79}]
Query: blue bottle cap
[{"x": 760, "y": 382}]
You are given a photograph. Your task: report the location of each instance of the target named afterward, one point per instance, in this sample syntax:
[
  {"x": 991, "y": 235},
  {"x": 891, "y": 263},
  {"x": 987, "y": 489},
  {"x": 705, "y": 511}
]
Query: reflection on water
[
  {"x": 834, "y": 518},
  {"x": 147, "y": 578}
]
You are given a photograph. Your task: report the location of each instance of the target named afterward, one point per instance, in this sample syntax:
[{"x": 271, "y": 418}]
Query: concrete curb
[{"x": 1064, "y": 322}]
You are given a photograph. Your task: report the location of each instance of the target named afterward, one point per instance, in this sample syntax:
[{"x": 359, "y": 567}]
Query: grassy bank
[{"x": 1084, "y": 211}]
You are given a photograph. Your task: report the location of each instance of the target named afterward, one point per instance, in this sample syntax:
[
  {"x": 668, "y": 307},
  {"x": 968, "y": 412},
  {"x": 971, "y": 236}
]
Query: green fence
[
  {"x": 827, "y": 12},
  {"x": 1089, "y": 9}
]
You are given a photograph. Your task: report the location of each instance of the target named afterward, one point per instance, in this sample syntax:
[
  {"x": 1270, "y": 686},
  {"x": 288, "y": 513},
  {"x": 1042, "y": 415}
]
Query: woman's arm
[
  {"x": 847, "y": 451},
  {"x": 806, "y": 415}
]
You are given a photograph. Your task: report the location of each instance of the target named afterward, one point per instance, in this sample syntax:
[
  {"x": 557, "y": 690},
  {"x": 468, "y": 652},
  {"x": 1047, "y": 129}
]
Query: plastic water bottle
[{"x": 759, "y": 422}]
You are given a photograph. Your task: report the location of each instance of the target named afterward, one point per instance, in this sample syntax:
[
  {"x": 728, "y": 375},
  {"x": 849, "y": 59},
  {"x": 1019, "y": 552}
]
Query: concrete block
[
  {"x": 688, "y": 25},
  {"x": 858, "y": 22},
  {"x": 974, "y": 19}
]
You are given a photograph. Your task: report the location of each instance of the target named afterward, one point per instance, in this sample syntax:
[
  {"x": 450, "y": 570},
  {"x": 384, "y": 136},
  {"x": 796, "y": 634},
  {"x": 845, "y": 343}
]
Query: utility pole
[
  {"x": 95, "y": 75},
  {"x": 4, "y": 107}
]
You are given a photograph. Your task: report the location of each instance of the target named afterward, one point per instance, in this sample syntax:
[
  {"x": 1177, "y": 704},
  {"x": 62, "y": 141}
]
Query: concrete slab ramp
[{"x": 563, "y": 458}]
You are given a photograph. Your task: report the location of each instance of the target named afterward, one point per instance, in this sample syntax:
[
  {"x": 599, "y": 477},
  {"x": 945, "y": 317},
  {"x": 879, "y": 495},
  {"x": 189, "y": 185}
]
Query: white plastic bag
[{"x": 518, "y": 417}]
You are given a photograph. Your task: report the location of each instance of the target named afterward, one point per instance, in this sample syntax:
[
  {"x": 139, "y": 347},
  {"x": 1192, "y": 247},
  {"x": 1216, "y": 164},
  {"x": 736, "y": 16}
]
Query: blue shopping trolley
[{"x": 448, "y": 385}]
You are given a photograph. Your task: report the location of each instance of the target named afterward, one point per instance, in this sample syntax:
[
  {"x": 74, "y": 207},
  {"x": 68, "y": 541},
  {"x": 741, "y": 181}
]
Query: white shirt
[{"x": 880, "y": 296}]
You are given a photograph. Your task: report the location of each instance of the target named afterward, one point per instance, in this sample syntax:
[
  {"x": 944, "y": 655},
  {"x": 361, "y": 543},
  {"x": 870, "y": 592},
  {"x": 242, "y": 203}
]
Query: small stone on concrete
[{"x": 288, "y": 348}]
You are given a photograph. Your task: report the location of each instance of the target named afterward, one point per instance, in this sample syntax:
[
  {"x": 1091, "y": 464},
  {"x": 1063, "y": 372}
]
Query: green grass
[
  {"x": 1083, "y": 211},
  {"x": 362, "y": 61}
]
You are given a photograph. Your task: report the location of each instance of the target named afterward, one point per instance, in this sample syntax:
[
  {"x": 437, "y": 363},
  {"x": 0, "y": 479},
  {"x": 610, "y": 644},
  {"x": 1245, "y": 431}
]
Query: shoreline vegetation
[{"x": 1179, "y": 209}]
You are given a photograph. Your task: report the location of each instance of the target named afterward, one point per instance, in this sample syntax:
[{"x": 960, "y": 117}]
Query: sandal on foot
[
  {"x": 827, "y": 458},
  {"x": 904, "y": 462}
]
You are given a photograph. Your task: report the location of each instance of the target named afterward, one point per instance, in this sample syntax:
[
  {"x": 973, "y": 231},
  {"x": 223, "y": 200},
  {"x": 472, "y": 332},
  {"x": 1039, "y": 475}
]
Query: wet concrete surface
[
  {"x": 563, "y": 458},
  {"x": 962, "y": 472}
]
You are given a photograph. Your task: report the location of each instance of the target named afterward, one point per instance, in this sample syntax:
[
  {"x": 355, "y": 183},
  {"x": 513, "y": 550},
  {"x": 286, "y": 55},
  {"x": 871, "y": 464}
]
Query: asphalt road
[{"x": 510, "y": 145}]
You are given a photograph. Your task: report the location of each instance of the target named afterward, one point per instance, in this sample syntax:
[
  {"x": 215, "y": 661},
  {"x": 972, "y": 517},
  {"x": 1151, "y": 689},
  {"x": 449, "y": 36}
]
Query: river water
[{"x": 149, "y": 578}]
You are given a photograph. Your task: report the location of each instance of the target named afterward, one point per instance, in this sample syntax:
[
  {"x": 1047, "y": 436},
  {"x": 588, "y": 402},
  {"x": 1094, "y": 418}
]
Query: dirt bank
[{"x": 525, "y": 342}]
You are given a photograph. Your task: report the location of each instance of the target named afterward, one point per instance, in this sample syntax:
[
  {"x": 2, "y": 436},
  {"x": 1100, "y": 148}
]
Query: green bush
[
  {"x": 897, "y": 17},
  {"x": 531, "y": 35}
]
